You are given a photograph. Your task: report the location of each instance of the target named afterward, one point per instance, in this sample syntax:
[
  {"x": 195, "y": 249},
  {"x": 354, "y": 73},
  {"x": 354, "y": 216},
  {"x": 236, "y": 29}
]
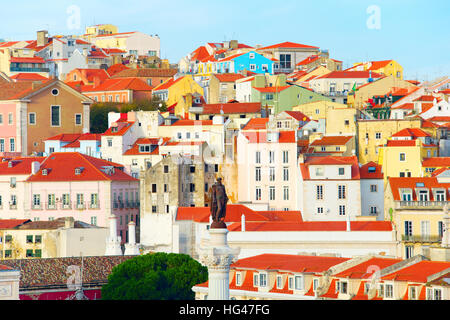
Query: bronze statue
[{"x": 218, "y": 204}]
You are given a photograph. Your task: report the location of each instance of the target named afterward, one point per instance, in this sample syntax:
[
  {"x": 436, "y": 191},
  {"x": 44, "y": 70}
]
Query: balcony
[
  {"x": 51, "y": 206},
  {"x": 94, "y": 206},
  {"x": 66, "y": 206},
  {"x": 420, "y": 205},
  {"x": 421, "y": 238},
  {"x": 35, "y": 206},
  {"x": 21, "y": 69},
  {"x": 80, "y": 206}
]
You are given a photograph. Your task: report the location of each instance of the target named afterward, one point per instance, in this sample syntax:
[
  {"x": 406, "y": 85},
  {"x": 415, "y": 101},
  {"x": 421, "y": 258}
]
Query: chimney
[
  {"x": 69, "y": 222},
  {"x": 35, "y": 165},
  {"x": 348, "y": 223},
  {"x": 132, "y": 232},
  {"x": 243, "y": 223},
  {"x": 113, "y": 227},
  {"x": 233, "y": 44},
  {"x": 42, "y": 38}
]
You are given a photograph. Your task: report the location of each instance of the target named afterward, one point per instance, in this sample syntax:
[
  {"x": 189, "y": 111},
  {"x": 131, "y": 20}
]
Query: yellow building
[
  {"x": 403, "y": 155},
  {"x": 99, "y": 29},
  {"x": 27, "y": 239},
  {"x": 416, "y": 206},
  {"x": 379, "y": 87},
  {"x": 317, "y": 72},
  {"x": 179, "y": 94},
  {"x": 374, "y": 133},
  {"x": 15, "y": 58},
  {"x": 339, "y": 118},
  {"x": 384, "y": 67}
]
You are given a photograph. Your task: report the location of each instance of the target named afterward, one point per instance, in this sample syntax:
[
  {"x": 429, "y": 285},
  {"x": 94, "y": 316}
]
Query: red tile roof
[
  {"x": 331, "y": 293},
  {"x": 28, "y": 77},
  {"x": 440, "y": 118},
  {"x": 119, "y": 84},
  {"x": 12, "y": 223},
  {"x": 308, "y": 60},
  {"x": 229, "y": 108},
  {"x": 411, "y": 132},
  {"x": 365, "y": 174},
  {"x": 19, "y": 165},
  {"x": 261, "y": 137},
  {"x": 330, "y": 160},
  {"x": 167, "y": 84},
  {"x": 256, "y": 124},
  {"x": 116, "y": 68},
  {"x": 425, "y": 98},
  {"x": 289, "y": 45},
  {"x": 365, "y": 270},
  {"x": 65, "y": 137},
  {"x": 332, "y": 141},
  {"x": 406, "y": 106},
  {"x": 436, "y": 162},
  {"x": 61, "y": 167},
  {"x": 228, "y": 77},
  {"x": 398, "y": 183},
  {"x": 349, "y": 74},
  {"x": 288, "y": 262},
  {"x": 401, "y": 143},
  {"x": 418, "y": 272},
  {"x": 272, "y": 89},
  {"x": 27, "y": 60},
  {"x": 122, "y": 128},
  {"x": 284, "y": 226},
  {"x": 299, "y": 116},
  {"x": 188, "y": 122},
  {"x": 146, "y": 73}
]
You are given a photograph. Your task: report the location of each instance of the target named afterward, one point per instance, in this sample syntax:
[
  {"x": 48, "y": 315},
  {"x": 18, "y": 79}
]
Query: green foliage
[
  {"x": 157, "y": 276},
  {"x": 99, "y": 111}
]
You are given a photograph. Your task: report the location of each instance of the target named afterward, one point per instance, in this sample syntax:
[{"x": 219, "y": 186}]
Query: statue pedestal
[{"x": 218, "y": 256}]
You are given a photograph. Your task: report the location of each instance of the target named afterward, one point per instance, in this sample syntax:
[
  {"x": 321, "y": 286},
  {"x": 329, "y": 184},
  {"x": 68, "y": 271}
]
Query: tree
[
  {"x": 99, "y": 111},
  {"x": 155, "y": 276}
]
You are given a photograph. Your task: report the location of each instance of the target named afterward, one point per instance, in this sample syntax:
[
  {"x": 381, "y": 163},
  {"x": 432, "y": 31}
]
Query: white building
[
  {"x": 329, "y": 188},
  {"x": 372, "y": 190}
]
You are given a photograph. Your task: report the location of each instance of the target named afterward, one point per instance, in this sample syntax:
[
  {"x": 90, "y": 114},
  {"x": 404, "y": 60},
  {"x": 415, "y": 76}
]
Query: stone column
[{"x": 218, "y": 256}]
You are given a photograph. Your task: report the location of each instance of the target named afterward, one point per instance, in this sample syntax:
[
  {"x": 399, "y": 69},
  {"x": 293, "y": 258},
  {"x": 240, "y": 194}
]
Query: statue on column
[{"x": 218, "y": 204}]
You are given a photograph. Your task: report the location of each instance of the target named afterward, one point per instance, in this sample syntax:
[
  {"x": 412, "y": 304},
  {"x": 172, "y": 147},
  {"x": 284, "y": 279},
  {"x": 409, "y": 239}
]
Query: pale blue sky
[{"x": 415, "y": 33}]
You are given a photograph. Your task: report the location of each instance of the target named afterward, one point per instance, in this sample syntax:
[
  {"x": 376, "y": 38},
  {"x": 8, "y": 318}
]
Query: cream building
[{"x": 9, "y": 283}]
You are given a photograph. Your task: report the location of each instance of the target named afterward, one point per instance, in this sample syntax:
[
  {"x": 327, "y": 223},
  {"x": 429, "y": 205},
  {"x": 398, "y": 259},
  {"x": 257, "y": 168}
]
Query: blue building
[
  {"x": 87, "y": 143},
  {"x": 251, "y": 61}
]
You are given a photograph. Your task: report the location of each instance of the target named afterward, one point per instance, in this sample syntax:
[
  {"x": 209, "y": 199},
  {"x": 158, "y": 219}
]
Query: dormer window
[
  {"x": 44, "y": 172},
  {"x": 406, "y": 194},
  {"x": 423, "y": 195},
  {"x": 144, "y": 148},
  {"x": 439, "y": 194},
  {"x": 77, "y": 171},
  {"x": 279, "y": 282},
  {"x": 238, "y": 278},
  {"x": 114, "y": 129},
  {"x": 372, "y": 169}
]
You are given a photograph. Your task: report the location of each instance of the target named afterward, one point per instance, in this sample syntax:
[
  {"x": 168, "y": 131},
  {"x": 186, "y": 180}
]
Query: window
[
  {"x": 32, "y": 118},
  {"x": 192, "y": 187},
  {"x": 285, "y": 61},
  {"x": 437, "y": 294},
  {"x": 285, "y": 156},
  {"x": 279, "y": 282},
  {"x": 298, "y": 280},
  {"x": 408, "y": 228},
  {"x": 153, "y": 187},
  {"x": 2, "y": 145},
  {"x": 78, "y": 119},
  {"x": 166, "y": 169},
  {"x": 378, "y": 135},
  {"x": 402, "y": 157},
  {"x": 154, "y": 209},
  {"x": 51, "y": 200},
  {"x": 412, "y": 293},
  {"x": 29, "y": 239},
  {"x": 343, "y": 287},
  {"x": 38, "y": 253},
  {"x": 258, "y": 174},
  {"x": 315, "y": 284},
  {"x": 36, "y": 200},
  {"x": 373, "y": 188},
  {"x": 286, "y": 193},
  {"x": 262, "y": 280},
  {"x": 389, "y": 291},
  {"x": 258, "y": 157},
  {"x": 66, "y": 200},
  {"x": 258, "y": 193},
  {"x": 10, "y": 118},
  {"x": 255, "y": 280},
  {"x": 1, "y": 118},
  {"x": 373, "y": 210},
  {"x": 319, "y": 210},
  {"x": 319, "y": 171},
  {"x": 238, "y": 278},
  {"x": 285, "y": 174},
  {"x": 94, "y": 200},
  {"x": 80, "y": 199},
  {"x": 12, "y": 145},
  {"x": 252, "y": 55},
  {"x": 272, "y": 174},
  {"x": 341, "y": 171},
  {"x": 319, "y": 192},
  {"x": 409, "y": 252},
  {"x": 341, "y": 192},
  {"x": 55, "y": 116},
  {"x": 271, "y": 193},
  {"x": 29, "y": 253},
  {"x": 271, "y": 156},
  {"x": 252, "y": 67},
  {"x": 342, "y": 210},
  {"x": 94, "y": 221}
]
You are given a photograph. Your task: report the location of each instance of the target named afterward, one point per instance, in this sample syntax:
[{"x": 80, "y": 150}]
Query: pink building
[{"x": 71, "y": 184}]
